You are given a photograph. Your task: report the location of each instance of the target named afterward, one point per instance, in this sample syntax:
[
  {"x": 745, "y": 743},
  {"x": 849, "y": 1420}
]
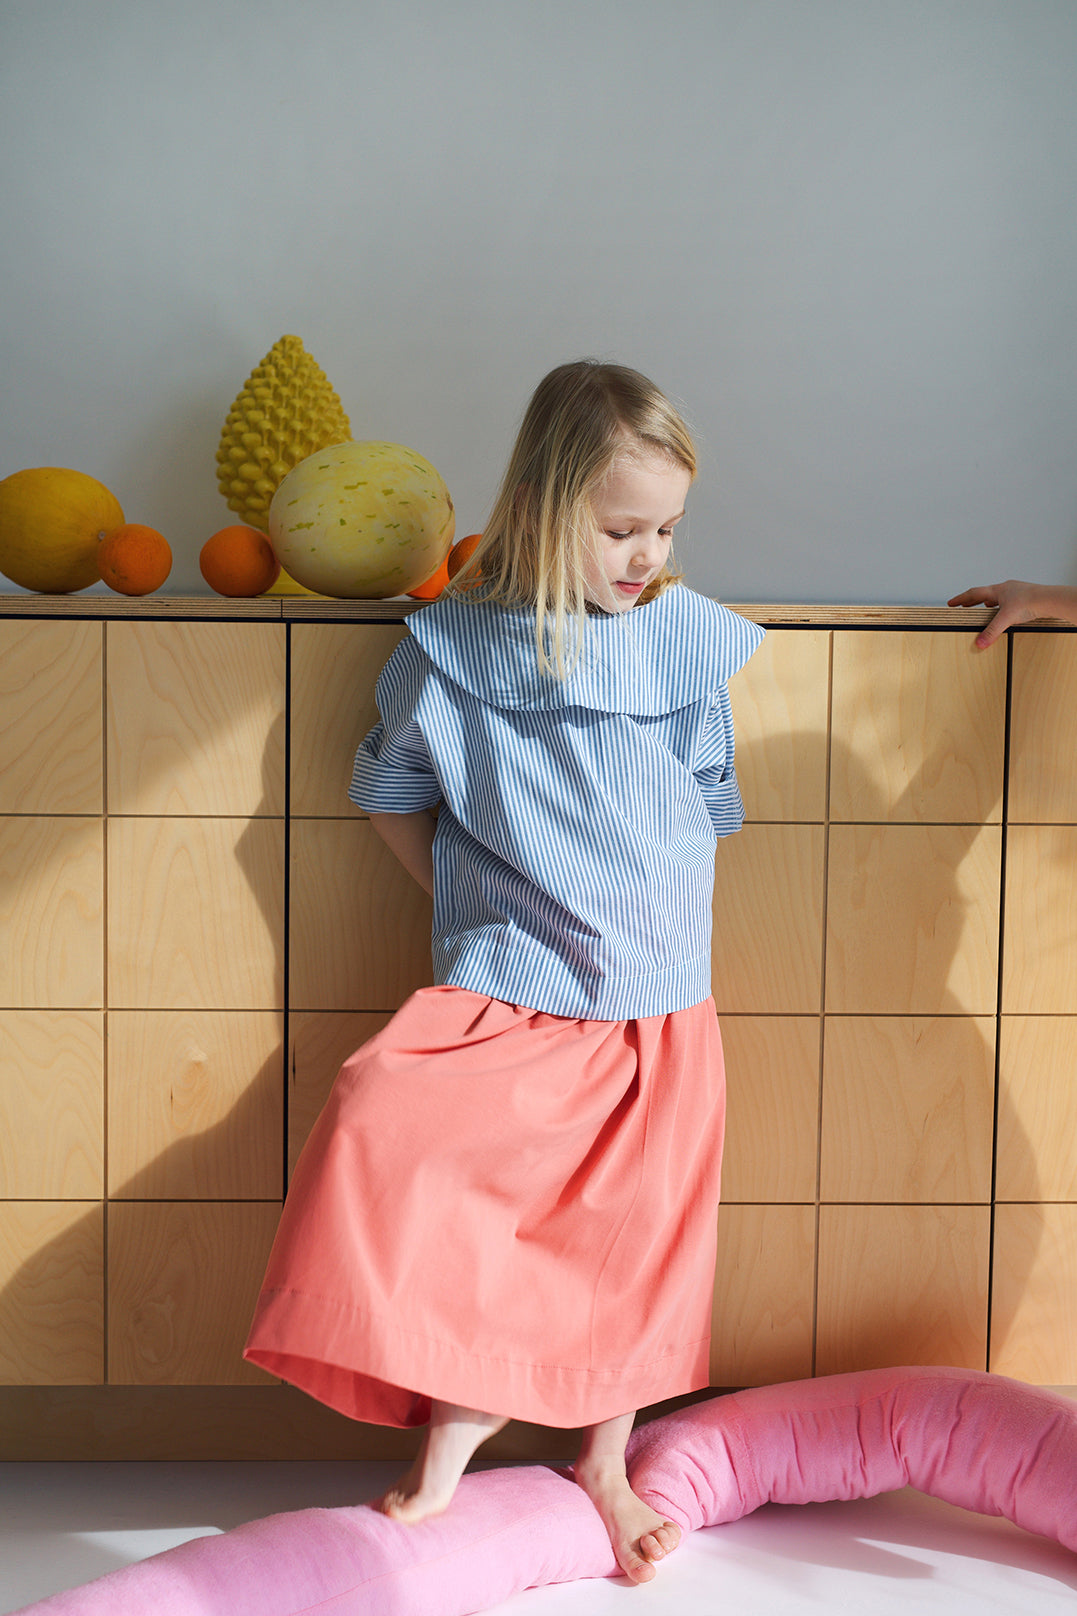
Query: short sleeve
[
  {"x": 713, "y": 767},
  {"x": 393, "y": 771}
]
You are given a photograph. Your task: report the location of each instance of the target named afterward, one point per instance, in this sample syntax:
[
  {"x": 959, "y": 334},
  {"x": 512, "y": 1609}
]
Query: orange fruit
[
  {"x": 462, "y": 551},
  {"x": 134, "y": 560},
  {"x": 239, "y": 561},
  {"x": 433, "y": 586}
]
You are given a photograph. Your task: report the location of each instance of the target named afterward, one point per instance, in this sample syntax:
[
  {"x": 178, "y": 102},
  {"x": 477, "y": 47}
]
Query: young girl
[{"x": 507, "y": 1207}]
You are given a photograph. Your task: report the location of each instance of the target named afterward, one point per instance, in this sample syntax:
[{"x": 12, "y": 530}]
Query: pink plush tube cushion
[{"x": 980, "y": 1441}]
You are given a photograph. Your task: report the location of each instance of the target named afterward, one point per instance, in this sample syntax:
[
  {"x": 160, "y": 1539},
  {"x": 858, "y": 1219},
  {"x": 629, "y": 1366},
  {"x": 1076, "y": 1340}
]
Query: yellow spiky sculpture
[{"x": 285, "y": 412}]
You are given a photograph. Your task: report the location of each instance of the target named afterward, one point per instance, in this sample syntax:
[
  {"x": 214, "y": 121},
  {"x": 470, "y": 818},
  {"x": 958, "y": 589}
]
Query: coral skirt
[{"x": 503, "y": 1209}]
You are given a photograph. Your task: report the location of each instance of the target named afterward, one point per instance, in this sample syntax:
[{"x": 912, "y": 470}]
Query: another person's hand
[{"x": 1017, "y": 603}]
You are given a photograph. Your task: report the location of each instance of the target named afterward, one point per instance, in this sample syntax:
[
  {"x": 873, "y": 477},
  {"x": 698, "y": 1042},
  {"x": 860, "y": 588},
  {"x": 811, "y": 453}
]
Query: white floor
[{"x": 62, "y": 1524}]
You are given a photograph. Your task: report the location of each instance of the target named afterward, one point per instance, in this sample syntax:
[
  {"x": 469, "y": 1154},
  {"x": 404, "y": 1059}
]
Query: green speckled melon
[{"x": 362, "y": 521}]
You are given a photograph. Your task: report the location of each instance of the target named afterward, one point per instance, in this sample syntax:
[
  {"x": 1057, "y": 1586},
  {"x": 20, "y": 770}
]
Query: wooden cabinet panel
[
  {"x": 779, "y": 701},
  {"x": 321, "y": 1041},
  {"x": 1039, "y": 973},
  {"x": 1035, "y": 1281},
  {"x": 1037, "y": 1114},
  {"x": 51, "y": 900},
  {"x": 51, "y": 1293},
  {"x": 52, "y": 1105},
  {"x": 50, "y": 718},
  {"x": 334, "y": 667},
  {"x": 196, "y": 718},
  {"x": 763, "y": 1295},
  {"x": 360, "y": 929},
  {"x": 183, "y": 1281},
  {"x": 908, "y": 1107},
  {"x": 768, "y": 920},
  {"x": 1043, "y": 757},
  {"x": 196, "y": 914},
  {"x": 212, "y": 1423},
  {"x": 912, "y": 919},
  {"x": 871, "y": 862},
  {"x": 902, "y": 1285},
  {"x": 772, "y": 1118},
  {"x": 196, "y": 1105},
  {"x": 918, "y": 729}
]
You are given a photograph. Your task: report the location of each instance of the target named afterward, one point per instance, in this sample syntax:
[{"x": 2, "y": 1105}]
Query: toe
[
  {"x": 392, "y": 1505},
  {"x": 636, "y": 1568},
  {"x": 657, "y": 1544}
]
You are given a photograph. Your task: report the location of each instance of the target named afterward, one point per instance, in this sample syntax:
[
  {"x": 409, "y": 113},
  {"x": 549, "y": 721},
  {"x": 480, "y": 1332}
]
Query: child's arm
[
  {"x": 411, "y": 838},
  {"x": 1018, "y": 603}
]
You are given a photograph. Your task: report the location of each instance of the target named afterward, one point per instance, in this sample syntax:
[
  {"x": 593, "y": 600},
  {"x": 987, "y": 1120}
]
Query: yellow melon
[
  {"x": 51, "y": 522},
  {"x": 362, "y": 521}
]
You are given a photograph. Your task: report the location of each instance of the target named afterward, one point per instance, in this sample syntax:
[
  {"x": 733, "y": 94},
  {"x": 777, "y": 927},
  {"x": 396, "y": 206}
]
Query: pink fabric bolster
[
  {"x": 977, "y": 1440},
  {"x": 506, "y": 1530},
  {"x": 981, "y": 1441}
]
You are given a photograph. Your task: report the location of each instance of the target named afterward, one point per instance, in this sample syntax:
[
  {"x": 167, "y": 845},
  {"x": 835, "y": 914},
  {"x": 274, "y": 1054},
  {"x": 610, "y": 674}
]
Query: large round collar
[{"x": 674, "y": 651}]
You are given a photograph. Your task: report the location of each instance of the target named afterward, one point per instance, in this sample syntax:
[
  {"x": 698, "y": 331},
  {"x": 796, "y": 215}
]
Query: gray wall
[{"x": 842, "y": 233}]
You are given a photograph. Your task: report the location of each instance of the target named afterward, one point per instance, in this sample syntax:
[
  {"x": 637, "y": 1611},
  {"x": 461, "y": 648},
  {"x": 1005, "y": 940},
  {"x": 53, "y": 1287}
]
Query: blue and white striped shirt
[{"x": 574, "y": 853}]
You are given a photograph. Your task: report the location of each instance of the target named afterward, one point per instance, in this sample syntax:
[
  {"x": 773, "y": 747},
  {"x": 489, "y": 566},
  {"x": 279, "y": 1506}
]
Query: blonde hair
[{"x": 582, "y": 419}]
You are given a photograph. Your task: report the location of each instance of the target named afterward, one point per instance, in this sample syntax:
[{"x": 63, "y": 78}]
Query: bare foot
[
  {"x": 414, "y": 1497},
  {"x": 450, "y": 1439},
  {"x": 639, "y": 1536}
]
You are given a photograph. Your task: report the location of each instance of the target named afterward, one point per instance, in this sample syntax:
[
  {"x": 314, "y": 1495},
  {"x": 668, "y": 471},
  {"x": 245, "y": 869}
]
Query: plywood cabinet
[
  {"x": 937, "y": 994},
  {"x": 197, "y": 927}
]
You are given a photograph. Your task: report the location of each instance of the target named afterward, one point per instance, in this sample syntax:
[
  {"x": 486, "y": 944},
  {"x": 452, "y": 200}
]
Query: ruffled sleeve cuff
[{"x": 393, "y": 772}]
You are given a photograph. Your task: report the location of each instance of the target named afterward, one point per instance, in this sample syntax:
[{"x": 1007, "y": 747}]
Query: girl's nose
[{"x": 648, "y": 550}]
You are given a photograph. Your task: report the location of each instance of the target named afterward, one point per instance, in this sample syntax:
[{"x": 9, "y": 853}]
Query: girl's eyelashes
[{"x": 663, "y": 533}]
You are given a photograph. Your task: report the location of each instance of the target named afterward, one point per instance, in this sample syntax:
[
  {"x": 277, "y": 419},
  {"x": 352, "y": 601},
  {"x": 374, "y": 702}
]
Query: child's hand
[{"x": 1017, "y": 603}]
